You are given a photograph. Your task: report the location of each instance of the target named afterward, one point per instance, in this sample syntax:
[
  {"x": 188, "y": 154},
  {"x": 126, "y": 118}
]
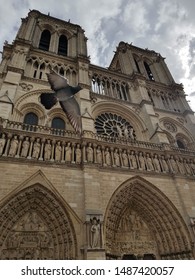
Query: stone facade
[{"x": 124, "y": 188}]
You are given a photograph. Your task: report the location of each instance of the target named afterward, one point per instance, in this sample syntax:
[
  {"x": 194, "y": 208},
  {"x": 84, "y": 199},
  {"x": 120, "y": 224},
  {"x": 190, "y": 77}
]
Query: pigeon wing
[
  {"x": 72, "y": 110},
  {"x": 56, "y": 81},
  {"x": 48, "y": 100}
]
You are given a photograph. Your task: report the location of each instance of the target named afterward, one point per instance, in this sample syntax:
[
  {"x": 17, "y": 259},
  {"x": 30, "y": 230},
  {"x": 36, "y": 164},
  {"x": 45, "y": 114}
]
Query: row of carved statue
[{"x": 60, "y": 151}]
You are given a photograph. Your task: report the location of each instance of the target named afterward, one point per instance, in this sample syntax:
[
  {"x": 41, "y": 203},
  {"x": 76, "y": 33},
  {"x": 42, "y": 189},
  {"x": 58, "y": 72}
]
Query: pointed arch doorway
[
  {"x": 34, "y": 224},
  {"x": 142, "y": 223}
]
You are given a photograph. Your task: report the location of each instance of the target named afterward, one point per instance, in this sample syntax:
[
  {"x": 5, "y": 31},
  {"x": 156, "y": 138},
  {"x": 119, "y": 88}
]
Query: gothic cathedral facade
[{"x": 122, "y": 189}]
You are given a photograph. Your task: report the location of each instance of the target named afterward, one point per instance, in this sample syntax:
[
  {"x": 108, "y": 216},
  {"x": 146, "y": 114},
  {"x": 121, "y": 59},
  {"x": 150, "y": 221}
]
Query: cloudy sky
[{"x": 167, "y": 26}]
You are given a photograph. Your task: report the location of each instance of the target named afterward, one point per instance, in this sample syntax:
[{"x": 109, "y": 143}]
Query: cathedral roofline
[{"x": 53, "y": 18}]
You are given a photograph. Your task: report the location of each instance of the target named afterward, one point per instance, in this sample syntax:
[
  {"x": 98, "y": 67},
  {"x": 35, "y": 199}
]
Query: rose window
[{"x": 112, "y": 125}]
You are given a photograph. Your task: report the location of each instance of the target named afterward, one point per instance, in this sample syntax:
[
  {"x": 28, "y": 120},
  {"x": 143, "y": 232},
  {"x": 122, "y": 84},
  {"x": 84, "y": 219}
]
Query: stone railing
[{"x": 122, "y": 154}]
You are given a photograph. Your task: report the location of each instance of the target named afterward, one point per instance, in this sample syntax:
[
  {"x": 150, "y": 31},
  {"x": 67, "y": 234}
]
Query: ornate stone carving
[
  {"x": 2, "y": 143},
  {"x": 95, "y": 232},
  {"x": 170, "y": 126},
  {"x": 37, "y": 227},
  {"x": 26, "y": 87},
  {"x": 112, "y": 125},
  {"x": 13, "y": 146}
]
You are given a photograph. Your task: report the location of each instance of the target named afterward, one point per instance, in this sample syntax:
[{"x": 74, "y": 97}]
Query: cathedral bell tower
[{"x": 43, "y": 42}]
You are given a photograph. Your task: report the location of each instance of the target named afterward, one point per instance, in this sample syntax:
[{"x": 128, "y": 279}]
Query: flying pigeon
[{"x": 64, "y": 93}]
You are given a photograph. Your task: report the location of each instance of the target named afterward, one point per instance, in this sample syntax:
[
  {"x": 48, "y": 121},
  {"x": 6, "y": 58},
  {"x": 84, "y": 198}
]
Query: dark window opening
[
  {"x": 63, "y": 45},
  {"x": 58, "y": 123},
  {"x": 61, "y": 71},
  {"x": 137, "y": 65},
  {"x": 180, "y": 144},
  {"x": 149, "y": 72},
  {"x": 30, "y": 121},
  {"x": 129, "y": 257},
  {"x": 45, "y": 40}
]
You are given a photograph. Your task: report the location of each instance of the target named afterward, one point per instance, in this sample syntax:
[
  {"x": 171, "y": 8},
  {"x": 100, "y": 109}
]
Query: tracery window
[
  {"x": 108, "y": 124},
  {"x": 45, "y": 40},
  {"x": 110, "y": 87}
]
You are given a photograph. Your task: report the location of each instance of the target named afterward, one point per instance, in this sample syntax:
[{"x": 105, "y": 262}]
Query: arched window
[
  {"x": 45, "y": 40},
  {"x": 63, "y": 45},
  {"x": 31, "y": 118},
  {"x": 58, "y": 123},
  {"x": 30, "y": 122},
  {"x": 149, "y": 72}
]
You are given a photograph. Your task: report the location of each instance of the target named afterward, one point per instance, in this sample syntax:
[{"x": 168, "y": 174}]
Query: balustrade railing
[{"x": 18, "y": 141}]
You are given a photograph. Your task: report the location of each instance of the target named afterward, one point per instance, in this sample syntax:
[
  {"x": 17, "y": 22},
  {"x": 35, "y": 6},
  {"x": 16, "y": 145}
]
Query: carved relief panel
[
  {"x": 29, "y": 239},
  {"x": 133, "y": 236}
]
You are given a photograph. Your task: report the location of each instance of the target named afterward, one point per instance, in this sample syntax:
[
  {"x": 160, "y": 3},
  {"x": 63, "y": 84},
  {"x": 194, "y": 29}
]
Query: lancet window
[
  {"x": 63, "y": 45},
  {"x": 148, "y": 71},
  {"x": 45, "y": 40}
]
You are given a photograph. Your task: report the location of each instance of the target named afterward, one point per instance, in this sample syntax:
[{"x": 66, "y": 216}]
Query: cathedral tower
[{"x": 124, "y": 188}]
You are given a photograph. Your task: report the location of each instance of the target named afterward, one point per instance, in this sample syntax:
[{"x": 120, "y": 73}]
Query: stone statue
[
  {"x": 131, "y": 133},
  {"x": 133, "y": 161},
  {"x": 165, "y": 167},
  {"x": 99, "y": 155},
  {"x": 68, "y": 151},
  {"x": 89, "y": 151},
  {"x": 192, "y": 165},
  {"x": 116, "y": 158},
  {"x": 149, "y": 163},
  {"x": 36, "y": 149},
  {"x": 107, "y": 157},
  {"x": 187, "y": 167},
  {"x": 119, "y": 130},
  {"x": 180, "y": 165},
  {"x": 173, "y": 165},
  {"x": 13, "y": 146},
  {"x": 2, "y": 143},
  {"x": 126, "y": 132},
  {"x": 47, "y": 150},
  {"x": 95, "y": 232},
  {"x": 58, "y": 151},
  {"x": 25, "y": 147},
  {"x": 125, "y": 159},
  {"x": 142, "y": 161},
  {"x": 156, "y": 163},
  {"x": 78, "y": 154}
]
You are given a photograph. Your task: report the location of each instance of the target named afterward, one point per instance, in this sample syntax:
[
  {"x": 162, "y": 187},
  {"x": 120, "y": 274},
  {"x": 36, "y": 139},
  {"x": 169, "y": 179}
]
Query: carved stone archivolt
[
  {"x": 36, "y": 227},
  {"x": 149, "y": 221}
]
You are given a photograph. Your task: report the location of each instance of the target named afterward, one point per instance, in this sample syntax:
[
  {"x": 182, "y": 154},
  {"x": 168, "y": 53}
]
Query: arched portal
[
  {"x": 35, "y": 225},
  {"x": 142, "y": 223}
]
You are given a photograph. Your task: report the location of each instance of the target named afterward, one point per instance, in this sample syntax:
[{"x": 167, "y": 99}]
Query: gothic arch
[
  {"x": 35, "y": 224},
  {"x": 126, "y": 113},
  {"x": 167, "y": 228}
]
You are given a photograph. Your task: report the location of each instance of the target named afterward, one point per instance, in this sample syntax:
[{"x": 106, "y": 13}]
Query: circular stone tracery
[{"x": 108, "y": 124}]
